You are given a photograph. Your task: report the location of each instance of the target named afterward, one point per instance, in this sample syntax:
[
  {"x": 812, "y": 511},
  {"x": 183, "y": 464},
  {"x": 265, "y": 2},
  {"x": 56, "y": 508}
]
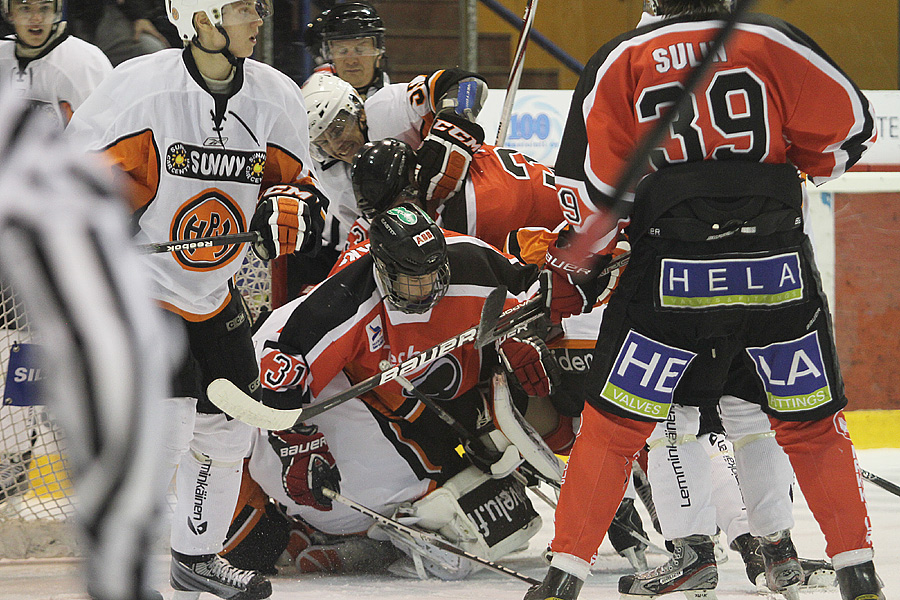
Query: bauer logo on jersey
[
  {"x": 375, "y": 334},
  {"x": 767, "y": 281},
  {"x": 211, "y": 213},
  {"x": 644, "y": 376},
  {"x": 215, "y": 164},
  {"x": 793, "y": 374}
]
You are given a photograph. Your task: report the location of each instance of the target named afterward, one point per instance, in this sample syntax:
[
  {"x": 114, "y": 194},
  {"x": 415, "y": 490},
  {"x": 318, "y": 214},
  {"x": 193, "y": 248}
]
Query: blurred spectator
[{"x": 122, "y": 29}]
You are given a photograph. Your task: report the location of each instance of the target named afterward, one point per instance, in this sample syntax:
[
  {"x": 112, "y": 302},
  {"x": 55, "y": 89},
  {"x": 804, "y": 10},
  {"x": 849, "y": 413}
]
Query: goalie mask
[
  {"x": 411, "y": 263},
  {"x": 336, "y": 117},
  {"x": 381, "y": 172}
]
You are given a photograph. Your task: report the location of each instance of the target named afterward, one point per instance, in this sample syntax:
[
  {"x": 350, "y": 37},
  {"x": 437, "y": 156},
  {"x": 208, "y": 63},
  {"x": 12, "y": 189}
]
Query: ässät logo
[{"x": 211, "y": 213}]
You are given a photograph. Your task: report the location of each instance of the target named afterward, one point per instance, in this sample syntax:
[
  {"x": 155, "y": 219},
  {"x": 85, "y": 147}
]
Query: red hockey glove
[
  {"x": 442, "y": 162},
  {"x": 572, "y": 289},
  {"x": 307, "y": 465},
  {"x": 525, "y": 357},
  {"x": 290, "y": 219}
]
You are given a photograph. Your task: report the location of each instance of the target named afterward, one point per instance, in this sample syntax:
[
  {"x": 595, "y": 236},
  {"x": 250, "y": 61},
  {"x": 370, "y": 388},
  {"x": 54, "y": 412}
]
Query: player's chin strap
[{"x": 224, "y": 51}]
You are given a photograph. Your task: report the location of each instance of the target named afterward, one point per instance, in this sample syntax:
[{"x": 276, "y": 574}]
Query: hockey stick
[
  {"x": 201, "y": 242},
  {"x": 426, "y": 537},
  {"x": 880, "y": 482},
  {"x": 235, "y": 403},
  {"x": 602, "y": 222},
  {"x": 515, "y": 75}
]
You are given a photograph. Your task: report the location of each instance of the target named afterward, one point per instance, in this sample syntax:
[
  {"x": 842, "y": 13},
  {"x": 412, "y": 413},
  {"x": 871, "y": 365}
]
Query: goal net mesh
[{"x": 35, "y": 491}]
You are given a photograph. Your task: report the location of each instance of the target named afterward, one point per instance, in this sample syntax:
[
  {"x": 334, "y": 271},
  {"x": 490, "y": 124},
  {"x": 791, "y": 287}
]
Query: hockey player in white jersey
[
  {"x": 87, "y": 297},
  {"x": 200, "y": 132},
  {"x": 43, "y": 63}
]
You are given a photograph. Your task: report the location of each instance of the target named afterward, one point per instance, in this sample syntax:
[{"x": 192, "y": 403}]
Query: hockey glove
[
  {"x": 442, "y": 162},
  {"x": 531, "y": 362},
  {"x": 307, "y": 465},
  {"x": 571, "y": 289},
  {"x": 290, "y": 219}
]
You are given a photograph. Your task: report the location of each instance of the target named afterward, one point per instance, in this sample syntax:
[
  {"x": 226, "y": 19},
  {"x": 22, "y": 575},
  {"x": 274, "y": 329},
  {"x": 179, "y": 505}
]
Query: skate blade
[
  {"x": 189, "y": 595},
  {"x": 791, "y": 592},
  {"x": 821, "y": 578},
  {"x": 689, "y": 594}
]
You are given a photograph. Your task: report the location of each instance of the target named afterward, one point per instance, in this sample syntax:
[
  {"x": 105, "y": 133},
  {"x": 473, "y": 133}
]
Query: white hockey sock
[
  {"x": 731, "y": 516},
  {"x": 678, "y": 470},
  {"x": 207, "y": 493},
  {"x": 764, "y": 471}
]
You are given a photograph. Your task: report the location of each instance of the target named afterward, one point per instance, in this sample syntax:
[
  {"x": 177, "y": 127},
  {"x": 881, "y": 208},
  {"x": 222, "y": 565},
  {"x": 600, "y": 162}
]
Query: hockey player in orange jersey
[
  {"x": 410, "y": 288},
  {"x": 721, "y": 276}
]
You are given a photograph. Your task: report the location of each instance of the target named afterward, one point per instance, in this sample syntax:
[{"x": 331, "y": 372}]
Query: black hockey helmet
[
  {"x": 686, "y": 7},
  {"x": 352, "y": 20},
  {"x": 411, "y": 262},
  {"x": 311, "y": 39},
  {"x": 381, "y": 171}
]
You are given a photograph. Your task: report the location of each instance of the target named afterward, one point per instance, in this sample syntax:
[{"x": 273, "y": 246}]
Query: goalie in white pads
[
  {"x": 88, "y": 297},
  {"x": 212, "y": 143},
  {"x": 414, "y": 287}
]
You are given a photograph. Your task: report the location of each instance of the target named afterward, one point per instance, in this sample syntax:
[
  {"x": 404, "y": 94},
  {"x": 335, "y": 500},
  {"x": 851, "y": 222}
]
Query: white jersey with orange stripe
[
  {"x": 59, "y": 78},
  {"x": 197, "y": 161}
]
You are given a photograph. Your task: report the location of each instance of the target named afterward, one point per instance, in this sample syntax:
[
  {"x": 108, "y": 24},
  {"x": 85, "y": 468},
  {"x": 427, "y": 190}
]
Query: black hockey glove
[
  {"x": 442, "y": 162},
  {"x": 290, "y": 218},
  {"x": 307, "y": 465}
]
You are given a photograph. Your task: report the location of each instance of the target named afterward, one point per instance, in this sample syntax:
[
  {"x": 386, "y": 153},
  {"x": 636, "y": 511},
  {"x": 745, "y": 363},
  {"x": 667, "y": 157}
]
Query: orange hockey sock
[
  {"x": 825, "y": 464},
  {"x": 595, "y": 480}
]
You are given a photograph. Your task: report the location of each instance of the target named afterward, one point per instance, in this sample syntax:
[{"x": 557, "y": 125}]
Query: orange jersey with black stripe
[
  {"x": 344, "y": 327},
  {"x": 772, "y": 95},
  {"x": 504, "y": 190},
  {"x": 196, "y": 162}
]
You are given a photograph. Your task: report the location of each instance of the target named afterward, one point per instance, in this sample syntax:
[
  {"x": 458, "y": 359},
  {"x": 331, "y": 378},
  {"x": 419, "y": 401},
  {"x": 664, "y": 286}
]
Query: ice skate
[
  {"x": 817, "y": 573},
  {"x": 557, "y": 585},
  {"x": 215, "y": 575},
  {"x": 860, "y": 582},
  {"x": 748, "y": 547},
  {"x": 783, "y": 571},
  {"x": 627, "y": 519},
  {"x": 691, "y": 570}
]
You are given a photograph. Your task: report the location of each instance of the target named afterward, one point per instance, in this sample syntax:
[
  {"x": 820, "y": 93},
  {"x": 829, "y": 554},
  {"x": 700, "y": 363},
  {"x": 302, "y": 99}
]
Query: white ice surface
[{"x": 58, "y": 579}]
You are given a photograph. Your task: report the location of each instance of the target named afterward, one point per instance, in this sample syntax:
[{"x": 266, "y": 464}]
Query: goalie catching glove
[
  {"x": 442, "y": 162},
  {"x": 289, "y": 218},
  {"x": 307, "y": 465},
  {"x": 571, "y": 289},
  {"x": 528, "y": 358}
]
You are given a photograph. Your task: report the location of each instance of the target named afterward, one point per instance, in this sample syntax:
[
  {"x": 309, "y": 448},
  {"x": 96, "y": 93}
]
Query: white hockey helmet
[
  {"x": 328, "y": 97},
  {"x": 57, "y": 7},
  {"x": 181, "y": 13}
]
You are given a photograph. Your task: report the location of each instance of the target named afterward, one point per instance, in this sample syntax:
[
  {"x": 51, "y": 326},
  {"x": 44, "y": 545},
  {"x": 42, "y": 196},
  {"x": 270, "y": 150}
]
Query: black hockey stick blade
[
  {"x": 426, "y": 537},
  {"x": 201, "y": 242},
  {"x": 881, "y": 482}
]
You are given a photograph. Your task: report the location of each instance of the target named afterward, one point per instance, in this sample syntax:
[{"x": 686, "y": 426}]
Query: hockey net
[{"x": 35, "y": 491}]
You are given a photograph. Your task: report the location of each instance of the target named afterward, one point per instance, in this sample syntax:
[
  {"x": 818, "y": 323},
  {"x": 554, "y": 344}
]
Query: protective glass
[
  {"x": 352, "y": 48},
  {"x": 29, "y": 12},
  {"x": 245, "y": 11}
]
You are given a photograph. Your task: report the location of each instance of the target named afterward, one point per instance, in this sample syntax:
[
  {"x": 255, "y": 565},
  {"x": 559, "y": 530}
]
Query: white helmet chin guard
[{"x": 325, "y": 96}]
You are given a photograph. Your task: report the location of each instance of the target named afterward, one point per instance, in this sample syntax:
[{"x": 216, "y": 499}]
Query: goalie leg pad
[{"x": 482, "y": 515}]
